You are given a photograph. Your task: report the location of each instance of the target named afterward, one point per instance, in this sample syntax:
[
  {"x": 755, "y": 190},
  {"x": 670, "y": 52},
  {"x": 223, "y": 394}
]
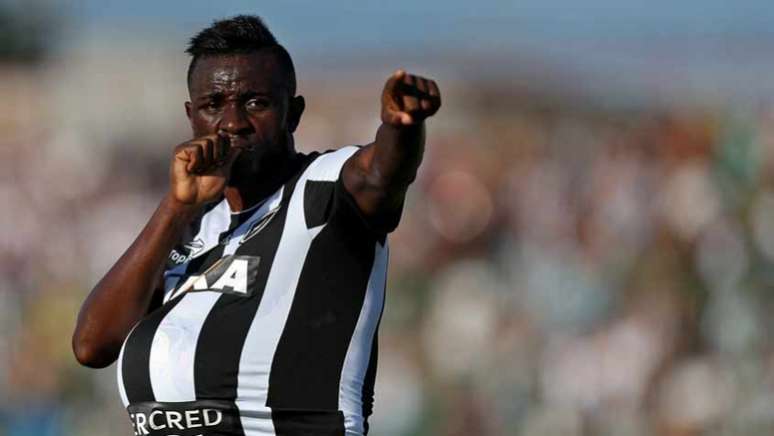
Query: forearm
[
  {"x": 397, "y": 154},
  {"x": 124, "y": 294}
]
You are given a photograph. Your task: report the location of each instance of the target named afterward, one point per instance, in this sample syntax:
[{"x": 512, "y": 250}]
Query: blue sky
[
  {"x": 363, "y": 24},
  {"x": 703, "y": 44}
]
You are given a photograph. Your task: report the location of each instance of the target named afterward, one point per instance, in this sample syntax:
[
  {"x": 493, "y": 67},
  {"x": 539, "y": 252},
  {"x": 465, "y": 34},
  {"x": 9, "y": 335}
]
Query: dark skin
[{"x": 242, "y": 116}]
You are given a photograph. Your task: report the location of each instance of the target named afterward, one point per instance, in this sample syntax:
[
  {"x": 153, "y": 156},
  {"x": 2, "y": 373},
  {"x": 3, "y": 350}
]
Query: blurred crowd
[
  {"x": 577, "y": 271},
  {"x": 562, "y": 267}
]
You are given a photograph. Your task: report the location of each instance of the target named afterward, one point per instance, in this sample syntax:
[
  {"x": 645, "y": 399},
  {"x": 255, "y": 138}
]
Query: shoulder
[
  {"x": 326, "y": 199},
  {"x": 327, "y": 165}
]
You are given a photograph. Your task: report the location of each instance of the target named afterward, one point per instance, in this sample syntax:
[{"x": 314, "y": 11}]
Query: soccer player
[{"x": 250, "y": 302}]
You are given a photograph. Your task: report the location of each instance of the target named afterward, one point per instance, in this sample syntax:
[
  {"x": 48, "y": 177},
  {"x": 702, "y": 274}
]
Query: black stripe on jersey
[
  {"x": 305, "y": 423},
  {"x": 368, "y": 383},
  {"x": 201, "y": 263},
  {"x": 307, "y": 364},
  {"x": 135, "y": 365},
  {"x": 317, "y": 202},
  {"x": 237, "y": 220},
  {"x": 222, "y": 337}
]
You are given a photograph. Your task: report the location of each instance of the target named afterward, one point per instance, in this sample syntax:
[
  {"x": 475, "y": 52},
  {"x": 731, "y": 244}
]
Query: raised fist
[
  {"x": 200, "y": 169},
  {"x": 408, "y": 99}
]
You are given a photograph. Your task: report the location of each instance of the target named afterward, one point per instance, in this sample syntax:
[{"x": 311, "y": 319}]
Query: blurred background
[{"x": 588, "y": 248}]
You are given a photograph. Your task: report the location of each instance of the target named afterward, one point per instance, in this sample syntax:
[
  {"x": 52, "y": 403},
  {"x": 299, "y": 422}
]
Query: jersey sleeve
[{"x": 326, "y": 199}]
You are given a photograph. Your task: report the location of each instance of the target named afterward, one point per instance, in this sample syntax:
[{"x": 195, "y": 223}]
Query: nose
[{"x": 234, "y": 121}]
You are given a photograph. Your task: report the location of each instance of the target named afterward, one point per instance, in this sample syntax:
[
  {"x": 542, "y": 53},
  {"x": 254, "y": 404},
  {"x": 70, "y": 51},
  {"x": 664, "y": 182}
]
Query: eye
[
  {"x": 257, "y": 104},
  {"x": 211, "y": 106}
]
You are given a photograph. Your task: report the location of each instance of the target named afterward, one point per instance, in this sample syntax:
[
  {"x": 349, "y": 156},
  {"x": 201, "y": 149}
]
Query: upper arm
[{"x": 378, "y": 201}]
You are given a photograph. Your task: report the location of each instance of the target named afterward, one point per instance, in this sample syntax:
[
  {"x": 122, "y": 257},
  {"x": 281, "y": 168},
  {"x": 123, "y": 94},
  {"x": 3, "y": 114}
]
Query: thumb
[{"x": 392, "y": 81}]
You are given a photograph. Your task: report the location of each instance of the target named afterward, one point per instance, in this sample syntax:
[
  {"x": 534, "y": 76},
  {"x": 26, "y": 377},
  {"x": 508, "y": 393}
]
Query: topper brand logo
[
  {"x": 151, "y": 423},
  {"x": 188, "y": 251},
  {"x": 230, "y": 275}
]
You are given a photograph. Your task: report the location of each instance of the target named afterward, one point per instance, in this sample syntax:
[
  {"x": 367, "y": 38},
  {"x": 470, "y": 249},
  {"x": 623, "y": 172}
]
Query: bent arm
[
  {"x": 198, "y": 175},
  {"x": 124, "y": 294}
]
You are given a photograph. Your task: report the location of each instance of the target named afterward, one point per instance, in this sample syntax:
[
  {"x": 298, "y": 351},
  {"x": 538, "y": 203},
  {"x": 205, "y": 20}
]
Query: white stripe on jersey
[
  {"x": 173, "y": 350},
  {"x": 330, "y": 164},
  {"x": 257, "y": 423},
  {"x": 359, "y": 351}
]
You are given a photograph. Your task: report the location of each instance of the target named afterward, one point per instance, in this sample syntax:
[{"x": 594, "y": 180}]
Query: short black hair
[{"x": 242, "y": 34}]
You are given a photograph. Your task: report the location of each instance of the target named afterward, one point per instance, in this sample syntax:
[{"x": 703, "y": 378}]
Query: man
[{"x": 250, "y": 302}]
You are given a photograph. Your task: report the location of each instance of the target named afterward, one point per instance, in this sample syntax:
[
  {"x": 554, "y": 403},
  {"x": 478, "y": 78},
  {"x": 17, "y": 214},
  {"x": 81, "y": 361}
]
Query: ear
[
  {"x": 295, "y": 109},
  {"x": 188, "y": 110}
]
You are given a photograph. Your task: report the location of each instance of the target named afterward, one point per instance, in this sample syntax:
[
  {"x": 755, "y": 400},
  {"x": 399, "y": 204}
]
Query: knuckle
[
  {"x": 191, "y": 146},
  {"x": 183, "y": 146}
]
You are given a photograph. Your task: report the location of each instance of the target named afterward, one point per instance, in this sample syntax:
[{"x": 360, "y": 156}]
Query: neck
[{"x": 248, "y": 191}]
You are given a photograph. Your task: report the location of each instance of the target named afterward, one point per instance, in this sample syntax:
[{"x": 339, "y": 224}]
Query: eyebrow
[
  {"x": 216, "y": 94},
  {"x": 260, "y": 93},
  {"x": 248, "y": 94}
]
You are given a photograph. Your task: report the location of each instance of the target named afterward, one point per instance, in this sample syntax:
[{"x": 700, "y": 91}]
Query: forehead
[{"x": 258, "y": 71}]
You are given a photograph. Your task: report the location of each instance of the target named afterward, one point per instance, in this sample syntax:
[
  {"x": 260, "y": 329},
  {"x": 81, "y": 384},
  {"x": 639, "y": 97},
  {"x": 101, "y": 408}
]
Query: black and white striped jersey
[{"x": 270, "y": 318}]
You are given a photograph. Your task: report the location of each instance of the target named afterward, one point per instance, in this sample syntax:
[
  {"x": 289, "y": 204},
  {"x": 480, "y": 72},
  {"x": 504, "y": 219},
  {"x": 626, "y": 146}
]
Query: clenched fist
[
  {"x": 200, "y": 169},
  {"x": 408, "y": 99}
]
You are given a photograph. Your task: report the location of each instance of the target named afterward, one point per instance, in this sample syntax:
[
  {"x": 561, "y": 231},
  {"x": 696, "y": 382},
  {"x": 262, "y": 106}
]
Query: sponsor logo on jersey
[
  {"x": 230, "y": 275},
  {"x": 171, "y": 420},
  {"x": 195, "y": 418}
]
